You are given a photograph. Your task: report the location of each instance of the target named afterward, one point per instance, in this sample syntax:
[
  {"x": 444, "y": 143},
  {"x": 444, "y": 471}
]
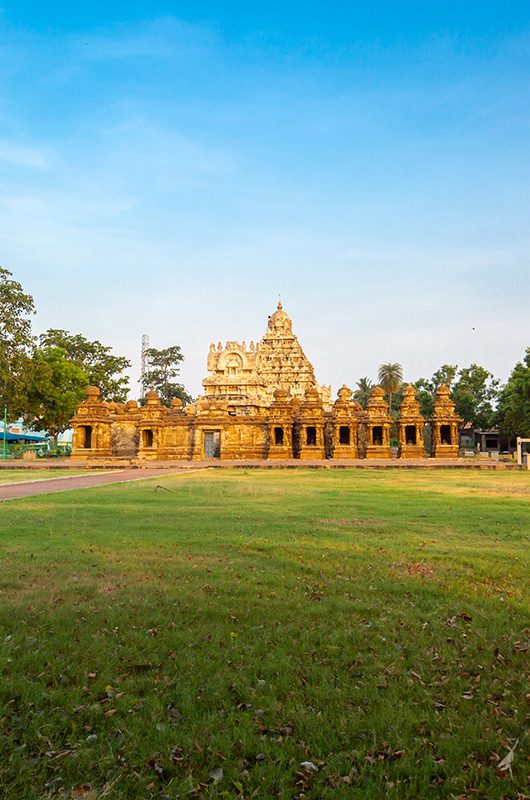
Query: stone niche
[
  {"x": 281, "y": 414},
  {"x": 151, "y": 439},
  {"x": 92, "y": 434},
  {"x": 345, "y": 419},
  {"x": 444, "y": 425},
  {"x": 376, "y": 425},
  {"x": 411, "y": 426},
  {"x": 311, "y": 422}
]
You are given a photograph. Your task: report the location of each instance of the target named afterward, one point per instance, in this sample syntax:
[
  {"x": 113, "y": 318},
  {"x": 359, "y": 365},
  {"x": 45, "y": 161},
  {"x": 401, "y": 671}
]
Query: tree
[
  {"x": 163, "y": 368},
  {"x": 425, "y": 397},
  {"x": 390, "y": 377},
  {"x": 362, "y": 393},
  {"x": 56, "y": 386},
  {"x": 98, "y": 362},
  {"x": 475, "y": 393},
  {"x": 16, "y": 343},
  {"x": 425, "y": 389},
  {"x": 445, "y": 375},
  {"x": 514, "y": 400}
]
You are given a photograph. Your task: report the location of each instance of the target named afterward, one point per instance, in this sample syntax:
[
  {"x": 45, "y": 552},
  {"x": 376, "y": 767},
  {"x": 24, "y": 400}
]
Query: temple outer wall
[{"x": 287, "y": 429}]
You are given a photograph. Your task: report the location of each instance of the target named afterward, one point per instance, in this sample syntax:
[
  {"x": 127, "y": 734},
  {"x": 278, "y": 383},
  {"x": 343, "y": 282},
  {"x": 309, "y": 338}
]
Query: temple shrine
[
  {"x": 261, "y": 402},
  {"x": 249, "y": 376}
]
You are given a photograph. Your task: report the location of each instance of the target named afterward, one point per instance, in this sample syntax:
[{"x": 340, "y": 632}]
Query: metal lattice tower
[{"x": 145, "y": 359}]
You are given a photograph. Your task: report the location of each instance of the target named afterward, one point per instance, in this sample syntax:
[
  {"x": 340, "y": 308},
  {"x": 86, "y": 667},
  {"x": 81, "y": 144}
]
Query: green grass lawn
[
  {"x": 17, "y": 475},
  {"x": 372, "y": 622}
]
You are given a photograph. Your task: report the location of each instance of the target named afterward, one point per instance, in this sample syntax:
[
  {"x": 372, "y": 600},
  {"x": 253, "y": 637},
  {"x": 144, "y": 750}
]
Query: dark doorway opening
[
  {"x": 445, "y": 434},
  {"x": 410, "y": 434},
  {"x": 87, "y": 436},
  {"x": 278, "y": 436},
  {"x": 311, "y": 436},
  {"x": 377, "y": 435},
  {"x": 344, "y": 434},
  {"x": 148, "y": 438}
]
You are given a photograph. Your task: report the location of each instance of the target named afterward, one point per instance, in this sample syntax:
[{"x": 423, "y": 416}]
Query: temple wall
[{"x": 288, "y": 428}]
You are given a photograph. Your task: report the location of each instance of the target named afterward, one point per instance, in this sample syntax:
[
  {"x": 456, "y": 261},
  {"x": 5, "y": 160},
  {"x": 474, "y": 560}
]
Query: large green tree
[
  {"x": 102, "y": 367},
  {"x": 390, "y": 377},
  {"x": 514, "y": 400},
  {"x": 474, "y": 390},
  {"x": 445, "y": 375},
  {"x": 16, "y": 343},
  {"x": 56, "y": 386},
  {"x": 425, "y": 388},
  {"x": 163, "y": 368},
  {"x": 475, "y": 393}
]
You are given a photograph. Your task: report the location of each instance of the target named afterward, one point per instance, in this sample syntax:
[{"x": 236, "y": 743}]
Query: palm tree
[
  {"x": 362, "y": 393},
  {"x": 390, "y": 377}
]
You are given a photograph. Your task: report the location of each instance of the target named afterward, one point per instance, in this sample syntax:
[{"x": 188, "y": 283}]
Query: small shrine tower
[
  {"x": 345, "y": 420},
  {"x": 377, "y": 424},
  {"x": 444, "y": 425},
  {"x": 410, "y": 426}
]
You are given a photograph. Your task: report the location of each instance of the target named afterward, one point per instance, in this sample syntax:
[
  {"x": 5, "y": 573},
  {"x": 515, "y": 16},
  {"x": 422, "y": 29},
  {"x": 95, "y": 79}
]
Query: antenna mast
[{"x": 145, "y": 359}]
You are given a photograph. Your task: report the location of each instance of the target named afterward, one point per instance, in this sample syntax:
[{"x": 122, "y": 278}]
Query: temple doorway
[{"x": 212, "y": 444}]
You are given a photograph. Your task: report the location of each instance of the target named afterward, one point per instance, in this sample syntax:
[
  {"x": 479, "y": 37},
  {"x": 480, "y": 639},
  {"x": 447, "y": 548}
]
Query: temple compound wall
[{"x": 261, "y": 402}]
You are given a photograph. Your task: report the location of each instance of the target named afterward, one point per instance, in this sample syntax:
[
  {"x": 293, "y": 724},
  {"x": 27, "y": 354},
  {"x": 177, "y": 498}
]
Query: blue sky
[{"x": 171, "y": 168}]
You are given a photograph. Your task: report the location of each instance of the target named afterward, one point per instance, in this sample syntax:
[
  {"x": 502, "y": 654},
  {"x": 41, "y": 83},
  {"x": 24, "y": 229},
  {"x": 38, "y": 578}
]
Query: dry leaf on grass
[{"x": 506, "y": 764}]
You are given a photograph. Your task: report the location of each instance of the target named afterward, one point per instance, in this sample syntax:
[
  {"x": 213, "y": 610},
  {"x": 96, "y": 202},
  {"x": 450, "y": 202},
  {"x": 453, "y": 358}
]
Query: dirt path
[
  {"x": 63, "y": 483},
  {"x": 67, "y": 482}
]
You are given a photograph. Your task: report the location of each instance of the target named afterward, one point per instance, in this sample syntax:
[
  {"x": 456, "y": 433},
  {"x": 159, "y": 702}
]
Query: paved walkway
[
  {"x": 102, "y": 473},
  {"x": 64, "y": 483}
]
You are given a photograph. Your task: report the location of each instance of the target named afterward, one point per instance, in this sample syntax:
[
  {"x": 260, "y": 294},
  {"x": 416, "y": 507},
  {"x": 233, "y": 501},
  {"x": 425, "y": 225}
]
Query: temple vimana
[{"x": 262, "y": 401}]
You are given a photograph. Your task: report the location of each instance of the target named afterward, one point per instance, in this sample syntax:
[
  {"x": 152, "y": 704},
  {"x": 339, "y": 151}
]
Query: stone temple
[
  {"x": 261, "y": 401},
  {"x": 247, "y": 377}
]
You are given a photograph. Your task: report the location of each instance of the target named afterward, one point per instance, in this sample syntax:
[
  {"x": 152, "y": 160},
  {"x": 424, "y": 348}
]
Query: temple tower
[
  {"x": 444, "y": 425},
  {"x": 377, "y": 423},
  {"x": 280, "y": 423},
  {"x": 249, "y": 375},
  {"x": 345, "y": 420},
  {"x": 150, "y": 427},
  {"x": 311, "y": 420},
  {"x": 410, "y": 426},
  {"x": 92, "y": 430}
]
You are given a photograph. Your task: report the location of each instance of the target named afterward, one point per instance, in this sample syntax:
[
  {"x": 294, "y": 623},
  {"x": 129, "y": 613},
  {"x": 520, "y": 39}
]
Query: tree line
[
  {"x": 42, "y": 379},
  {"x": 480, "y": 399}
]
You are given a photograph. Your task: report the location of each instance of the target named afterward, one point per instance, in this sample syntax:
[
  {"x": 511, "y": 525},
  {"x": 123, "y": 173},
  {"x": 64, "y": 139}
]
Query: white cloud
[{"x": 22, "y": 156}]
